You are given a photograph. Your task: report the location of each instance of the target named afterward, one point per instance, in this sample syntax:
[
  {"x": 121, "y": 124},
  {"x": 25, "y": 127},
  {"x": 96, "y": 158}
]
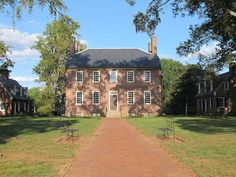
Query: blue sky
[{"x": 104, "y": 24}]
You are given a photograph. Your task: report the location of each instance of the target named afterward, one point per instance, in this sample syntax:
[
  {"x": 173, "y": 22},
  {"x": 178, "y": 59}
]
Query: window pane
[
  {"x": 147, "y": 97},
  {"x": 130, "y": 76},
  {"x": 130, "y": 97},
  {"x": 96, "y": 97},
  {"x": 147, "y": 76},
  {"x": 113, "y": 76},
  {"x": 79, "y": 98},
  {"x": 79, "y": 76},
  {"x": 96, "y": 76}
]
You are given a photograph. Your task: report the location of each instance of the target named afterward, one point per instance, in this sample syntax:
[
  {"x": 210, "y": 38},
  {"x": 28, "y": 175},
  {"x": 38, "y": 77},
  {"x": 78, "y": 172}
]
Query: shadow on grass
[
  {"x": 208, "y": 125},
  {"x": 12, "y": 127}
]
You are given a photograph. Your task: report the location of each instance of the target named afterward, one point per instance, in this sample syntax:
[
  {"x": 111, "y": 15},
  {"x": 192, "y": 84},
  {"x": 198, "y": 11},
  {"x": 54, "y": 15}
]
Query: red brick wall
[
  {"x": 104, "y": 86},
  {"x": 5, "y": 98}
]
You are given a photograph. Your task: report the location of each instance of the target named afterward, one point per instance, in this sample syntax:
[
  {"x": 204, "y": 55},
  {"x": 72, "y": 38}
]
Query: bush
[{"x": 45, "y": 110}]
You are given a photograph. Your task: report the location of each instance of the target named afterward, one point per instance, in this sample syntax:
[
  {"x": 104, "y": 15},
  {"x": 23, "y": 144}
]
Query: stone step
[{"x": 113, "y": 114}]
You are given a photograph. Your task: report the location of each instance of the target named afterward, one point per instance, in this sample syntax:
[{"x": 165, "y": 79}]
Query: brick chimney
[
  {"x": 74, "y": 47},
  {"x": 4, "y": 73},
  {"x": 152, "y": 46}
]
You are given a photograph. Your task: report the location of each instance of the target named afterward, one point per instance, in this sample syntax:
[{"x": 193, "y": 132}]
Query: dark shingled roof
[
  {"x": 9, "y": 84},
  {"x": 113, "y": 58}
]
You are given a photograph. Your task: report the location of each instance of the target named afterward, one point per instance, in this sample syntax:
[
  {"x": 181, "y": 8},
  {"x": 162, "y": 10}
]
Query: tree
[
  {"x": 172, "y": 71},
  {"x": 17, "y": 7},
  {"x": 5, "y": 62},
  {"x": 54, "y": 45},
  {"x": 218, "y": 22},
  {"x": 41, "y": 100},
  {"x": 185, "y": 90}
]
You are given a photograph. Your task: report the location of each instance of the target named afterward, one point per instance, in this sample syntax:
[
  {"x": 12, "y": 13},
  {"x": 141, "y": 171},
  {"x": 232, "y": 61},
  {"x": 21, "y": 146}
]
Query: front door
[{"x": 113, "y": 100}]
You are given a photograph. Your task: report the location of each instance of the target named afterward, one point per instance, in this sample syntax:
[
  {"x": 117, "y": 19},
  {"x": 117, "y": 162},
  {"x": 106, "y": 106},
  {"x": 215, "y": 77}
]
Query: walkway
[{"x": 118, "y": 150}]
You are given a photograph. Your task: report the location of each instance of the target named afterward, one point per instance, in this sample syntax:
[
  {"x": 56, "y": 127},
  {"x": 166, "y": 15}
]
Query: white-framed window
[
  {"x": 79, "y": 76},
  {"x": 113, "y": 76},
  {"x": 226, "y": 86},
  {"x": 147, "y": 97},
  {"x": 96, "y": 76},
  {"x": 96, "y": 97},
  {"x": 130, "y": 76},
  {"x": 2, "y": 106},
  {"x": 147, "y": 76},
  {"x": 130, "y": 97},
  {"x": 79, "y": 97},
  {"x": 221, "y": 102}
]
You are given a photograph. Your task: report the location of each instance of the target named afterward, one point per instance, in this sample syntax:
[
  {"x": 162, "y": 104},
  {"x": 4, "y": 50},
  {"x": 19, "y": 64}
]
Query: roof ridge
[{"x": 127, "y": 48}]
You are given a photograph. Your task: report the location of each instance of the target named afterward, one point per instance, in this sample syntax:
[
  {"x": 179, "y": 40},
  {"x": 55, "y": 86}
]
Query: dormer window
[
  {"x": 226, "y": 86},
  {"x": 199, "y": 88},
  {"x": 21, "y": 91},
  {"x": 15, "y": 89},
  {"x": 211, "y": 85}
]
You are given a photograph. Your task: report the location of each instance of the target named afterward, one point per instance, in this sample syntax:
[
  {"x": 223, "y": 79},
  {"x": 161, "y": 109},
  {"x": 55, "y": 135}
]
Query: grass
[
  {"x": 210, "y": 143},
  {"x": 29, "y": 147}
]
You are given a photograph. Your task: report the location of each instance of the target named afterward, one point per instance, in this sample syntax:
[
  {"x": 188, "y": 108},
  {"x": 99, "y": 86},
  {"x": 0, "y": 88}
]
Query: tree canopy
[
  {"x": 172, "y": 71},
  {"x": 15, "y": 8},
  {"x": 54, "y": 48},
  {"x": 218, "y": 23}
]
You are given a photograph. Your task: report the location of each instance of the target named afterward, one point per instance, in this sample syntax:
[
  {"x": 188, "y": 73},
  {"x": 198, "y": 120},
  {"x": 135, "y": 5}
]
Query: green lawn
[
  {"x": 210, "y": 143},
  {"x": 29, "y": 146}
]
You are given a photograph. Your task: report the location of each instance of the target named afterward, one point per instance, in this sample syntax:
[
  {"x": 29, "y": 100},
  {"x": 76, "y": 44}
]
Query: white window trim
[
  {"x": 82, "y": 76},
  {"x": 128, "y": 97},
  {"x": 150, "y": 75},
  {"x": 82, "y": 98},
  {"x": 98, "y": 77},
  {"x": 116, "y": 76},
  {"x": 98, "y": 97},
  {"x": 150, "y": 97},
  {"x": 2, "y": 110},
  {"x": 114, "y": 93},
  {"x": 133, "y": 77},
  {"x": 226, "y": 86},
  {"x": 223, "y": 102}
]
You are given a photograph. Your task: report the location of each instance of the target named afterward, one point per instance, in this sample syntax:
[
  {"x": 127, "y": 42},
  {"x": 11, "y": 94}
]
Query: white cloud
[
  {"x": 21, "y": 43},
  {"x": 205, "y": 50},
  {"x": 24, "y": 53},
  {"x": 23, "y": 78}
]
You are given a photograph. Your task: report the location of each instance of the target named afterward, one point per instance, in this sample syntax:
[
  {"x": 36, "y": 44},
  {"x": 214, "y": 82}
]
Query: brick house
[
  {"x": 114, "y": 83},
  {"x": 14, "y": 99},
  {"x": 217, "y": 94}
]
